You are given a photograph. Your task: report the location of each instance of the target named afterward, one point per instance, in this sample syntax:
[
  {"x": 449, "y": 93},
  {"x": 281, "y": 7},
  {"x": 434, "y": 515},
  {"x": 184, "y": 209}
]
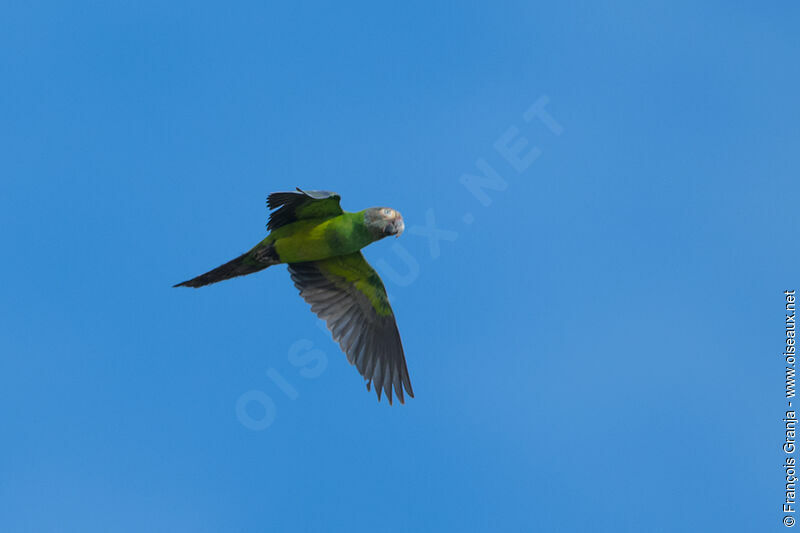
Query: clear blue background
[{"x": 598, "y": 351}]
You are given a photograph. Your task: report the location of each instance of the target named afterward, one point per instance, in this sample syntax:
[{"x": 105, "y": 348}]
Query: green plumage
[
  {"x": 321, "y": 243},
  {"x": 319, "y": 238}
]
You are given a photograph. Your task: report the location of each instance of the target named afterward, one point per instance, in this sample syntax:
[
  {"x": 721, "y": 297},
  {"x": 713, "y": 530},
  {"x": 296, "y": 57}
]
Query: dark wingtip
[{"x": 399, "y": 393}]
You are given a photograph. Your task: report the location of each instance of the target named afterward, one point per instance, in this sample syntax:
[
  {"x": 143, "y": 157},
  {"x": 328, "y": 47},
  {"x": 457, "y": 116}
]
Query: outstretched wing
[
  {"x": 292, "y": 206},
  {"x": 349, "y": 295}
]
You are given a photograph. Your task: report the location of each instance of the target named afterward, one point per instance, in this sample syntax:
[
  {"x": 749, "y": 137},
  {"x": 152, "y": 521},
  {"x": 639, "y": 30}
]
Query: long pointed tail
[{"x": 244, "y": 264}]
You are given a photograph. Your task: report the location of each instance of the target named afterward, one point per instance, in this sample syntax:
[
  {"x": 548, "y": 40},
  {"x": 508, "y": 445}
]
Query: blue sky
[{"x": 597, "y": 349}]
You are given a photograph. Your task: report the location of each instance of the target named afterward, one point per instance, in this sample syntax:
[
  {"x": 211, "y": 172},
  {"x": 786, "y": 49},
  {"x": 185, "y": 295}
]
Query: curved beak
[{"x": 399, "y": 225}]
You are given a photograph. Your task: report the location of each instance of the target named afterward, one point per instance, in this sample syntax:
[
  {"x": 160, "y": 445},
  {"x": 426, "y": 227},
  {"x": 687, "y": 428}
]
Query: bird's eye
[{"x": 387, "y": 212}]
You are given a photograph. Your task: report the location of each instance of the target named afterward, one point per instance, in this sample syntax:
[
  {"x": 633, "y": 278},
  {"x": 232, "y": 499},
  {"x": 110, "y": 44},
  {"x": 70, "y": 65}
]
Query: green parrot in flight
[{"x": 321, "y": 244}]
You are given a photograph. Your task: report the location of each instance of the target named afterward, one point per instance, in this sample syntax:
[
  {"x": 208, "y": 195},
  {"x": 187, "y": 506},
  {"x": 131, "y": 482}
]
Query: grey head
[{"x": 384, "y": 221}]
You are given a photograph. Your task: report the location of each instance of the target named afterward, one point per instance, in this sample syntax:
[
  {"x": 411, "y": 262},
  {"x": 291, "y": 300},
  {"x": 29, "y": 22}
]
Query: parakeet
[{"x": 321, "y": 244}]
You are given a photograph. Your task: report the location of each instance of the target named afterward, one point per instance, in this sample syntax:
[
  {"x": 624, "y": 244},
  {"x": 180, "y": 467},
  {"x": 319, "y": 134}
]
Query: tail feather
[{"x": 244, "y": 264}]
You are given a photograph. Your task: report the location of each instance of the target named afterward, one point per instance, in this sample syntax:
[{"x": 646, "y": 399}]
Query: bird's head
[{"x": 384, "y": 221}]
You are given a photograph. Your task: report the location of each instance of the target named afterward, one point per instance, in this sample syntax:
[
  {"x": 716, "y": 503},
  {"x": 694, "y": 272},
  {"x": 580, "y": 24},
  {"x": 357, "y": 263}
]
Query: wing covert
[
  {"x": 292, "y": 206},
  {"x": 348, "y": 294}
]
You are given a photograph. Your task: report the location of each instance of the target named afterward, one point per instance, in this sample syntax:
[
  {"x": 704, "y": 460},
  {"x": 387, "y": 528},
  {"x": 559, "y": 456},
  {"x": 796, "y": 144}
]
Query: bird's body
[
  {"x": 321, "y": 244},
  {"x": 319, "y": 238}
]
